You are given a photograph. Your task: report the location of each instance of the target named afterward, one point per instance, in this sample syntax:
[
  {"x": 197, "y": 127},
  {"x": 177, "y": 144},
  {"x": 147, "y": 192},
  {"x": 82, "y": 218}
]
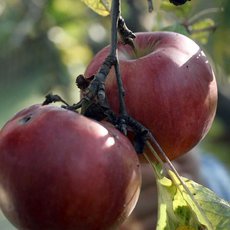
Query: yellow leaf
[{"x": 101, "y": 7}]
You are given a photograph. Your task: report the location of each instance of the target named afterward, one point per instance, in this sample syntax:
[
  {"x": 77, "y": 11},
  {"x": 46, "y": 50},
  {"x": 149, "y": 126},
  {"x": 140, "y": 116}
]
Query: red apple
[
  {"x": 60, "y": 170},
  {"x": 170, "y": 88}
]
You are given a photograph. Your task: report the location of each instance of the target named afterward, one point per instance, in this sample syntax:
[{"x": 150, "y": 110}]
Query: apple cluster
[{"x": 61, "y": 170}]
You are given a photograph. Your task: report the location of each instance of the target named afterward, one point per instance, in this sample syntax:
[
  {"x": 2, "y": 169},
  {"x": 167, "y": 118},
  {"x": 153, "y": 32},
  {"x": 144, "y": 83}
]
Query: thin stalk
[
  {"x": 155, "y": 154},
  {"x": 115, "y": 10},
  {"x": 121, "y": 90},
  {"x": 154, "y": 168}
]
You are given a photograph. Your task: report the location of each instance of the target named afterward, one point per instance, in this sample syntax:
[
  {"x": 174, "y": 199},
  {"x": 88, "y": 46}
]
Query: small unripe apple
[
  {"x": 169, "y": 87},
  {"x": 60, "y": 170}
]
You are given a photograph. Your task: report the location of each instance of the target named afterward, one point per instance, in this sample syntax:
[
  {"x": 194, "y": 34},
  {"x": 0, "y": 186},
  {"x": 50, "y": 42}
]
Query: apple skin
[
  {"x": 60, "y": 170},
  {"x": 169, "y": 87}
]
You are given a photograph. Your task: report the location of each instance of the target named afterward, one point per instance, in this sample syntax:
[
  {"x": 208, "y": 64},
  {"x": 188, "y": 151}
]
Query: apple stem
[
  {"x": 95, "y": 92},
  {"x": 115, "y": 11},
  {"x": 118, "y": 25}
]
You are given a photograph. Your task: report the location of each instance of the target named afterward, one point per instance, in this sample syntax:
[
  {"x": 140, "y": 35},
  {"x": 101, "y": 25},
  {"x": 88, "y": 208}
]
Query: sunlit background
[{"x": 44, "y": 45}]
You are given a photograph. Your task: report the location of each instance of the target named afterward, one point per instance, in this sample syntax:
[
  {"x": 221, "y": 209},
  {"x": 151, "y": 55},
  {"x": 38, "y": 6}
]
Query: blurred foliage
[{"x": 41, "y": 44}]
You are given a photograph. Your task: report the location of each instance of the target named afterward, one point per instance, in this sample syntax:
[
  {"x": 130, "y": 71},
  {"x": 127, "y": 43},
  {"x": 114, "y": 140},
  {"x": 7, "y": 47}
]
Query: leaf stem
[{"x": 171, "y": 166}]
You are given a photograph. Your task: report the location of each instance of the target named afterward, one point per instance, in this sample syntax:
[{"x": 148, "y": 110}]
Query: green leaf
[
  {"x": 201, "y": 30},
  {"x": 178, "y": 211},
  {"x": 101, "y": 7},
  {"x": 203, "y": 24}
]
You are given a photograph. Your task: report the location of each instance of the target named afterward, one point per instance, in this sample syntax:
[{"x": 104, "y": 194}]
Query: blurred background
[{"x": 44, "y": 45}]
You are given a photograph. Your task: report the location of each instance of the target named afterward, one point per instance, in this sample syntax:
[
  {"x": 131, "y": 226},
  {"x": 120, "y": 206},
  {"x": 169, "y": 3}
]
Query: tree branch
[{"x": 150, "y": 5}]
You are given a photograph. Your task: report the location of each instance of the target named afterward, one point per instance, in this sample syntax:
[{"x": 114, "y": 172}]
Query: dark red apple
[
  {"x": 170, "y": 88},
  {"x": 62, "y": 171}
]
